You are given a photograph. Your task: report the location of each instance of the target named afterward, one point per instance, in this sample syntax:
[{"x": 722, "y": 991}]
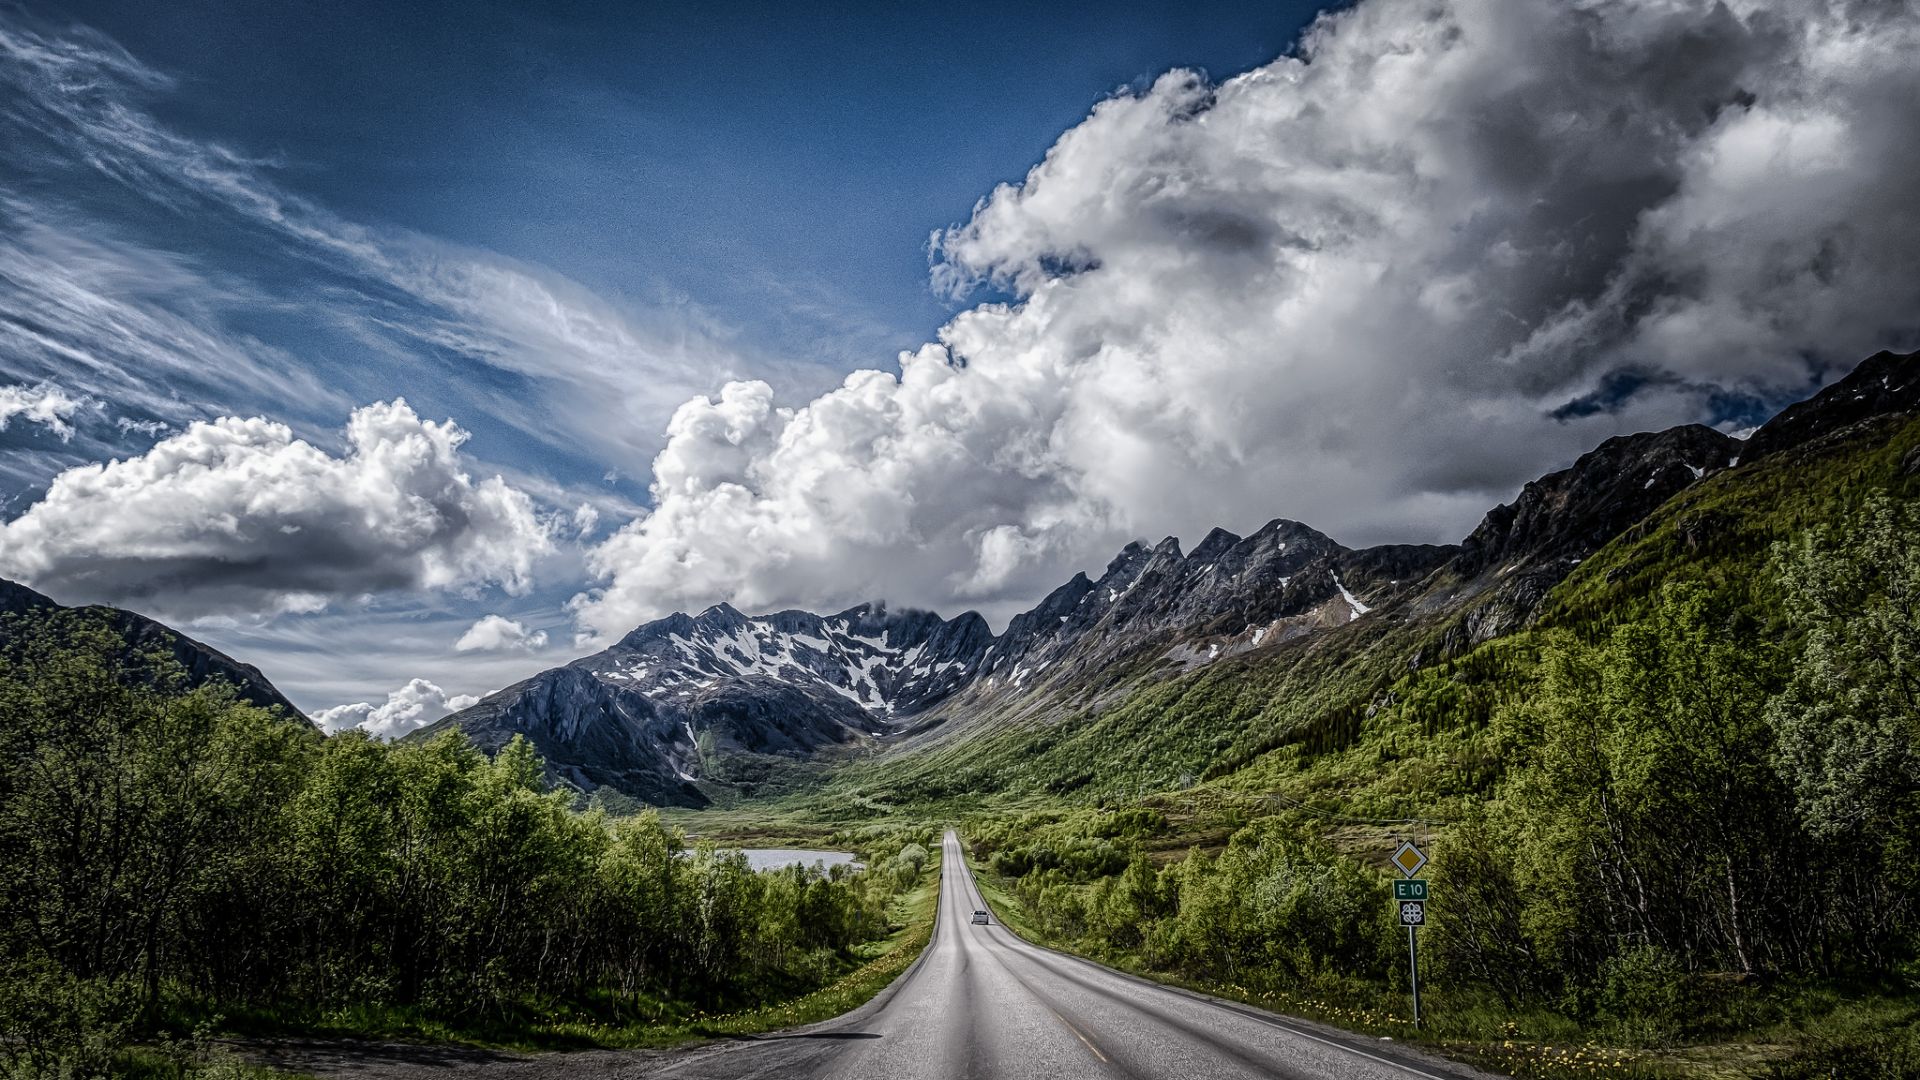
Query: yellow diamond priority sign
[{"x": 1409, "y": 858}]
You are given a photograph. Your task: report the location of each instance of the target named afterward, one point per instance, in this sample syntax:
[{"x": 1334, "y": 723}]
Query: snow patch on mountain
[{"x": 1353, "y": 601}]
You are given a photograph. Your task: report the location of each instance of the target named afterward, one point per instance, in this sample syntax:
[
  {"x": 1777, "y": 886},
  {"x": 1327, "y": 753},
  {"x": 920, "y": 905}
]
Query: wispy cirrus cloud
[
  {"x": 139, "y": 319},
  {"x": 137, "y": 327}
]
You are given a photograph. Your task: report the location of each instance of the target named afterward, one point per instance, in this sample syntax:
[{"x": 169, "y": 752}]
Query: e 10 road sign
[{"x": 1410, "y": 895}]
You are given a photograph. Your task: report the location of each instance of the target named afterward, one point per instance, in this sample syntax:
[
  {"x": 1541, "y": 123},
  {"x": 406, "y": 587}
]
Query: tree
[
  {"x": 1652, "y": 802},
  {"x": 1849, "y": 720},
  {"x": 1479, "y": 934}
]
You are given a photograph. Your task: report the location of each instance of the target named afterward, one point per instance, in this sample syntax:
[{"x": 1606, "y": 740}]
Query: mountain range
[{"x": 693, "y": 708}]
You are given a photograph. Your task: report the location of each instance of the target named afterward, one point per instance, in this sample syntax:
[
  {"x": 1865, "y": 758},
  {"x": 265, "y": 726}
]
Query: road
[
  {"x": 983, "y": 1004},
  {"x": 979, "y": 1004}
]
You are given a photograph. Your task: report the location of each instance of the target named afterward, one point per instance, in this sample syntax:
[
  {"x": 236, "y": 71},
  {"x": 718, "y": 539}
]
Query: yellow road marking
[{"x": 1088, "y": 1043}]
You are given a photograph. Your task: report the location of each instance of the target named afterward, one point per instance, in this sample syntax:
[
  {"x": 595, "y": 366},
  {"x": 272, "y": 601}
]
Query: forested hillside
[
  {"x": 177, "y": 855},
  {"x": 195, "y": 662},
  {"x": 1682, "y": 808}
]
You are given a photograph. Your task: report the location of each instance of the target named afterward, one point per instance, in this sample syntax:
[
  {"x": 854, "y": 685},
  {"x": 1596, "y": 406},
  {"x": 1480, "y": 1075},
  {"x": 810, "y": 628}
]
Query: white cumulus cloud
[
  {"x": 586, "y": 518},
  {"x": 43, "y": 404},
  {"x": 1374, "y": 285},
  {"x": 497, "y": 633},
  {"x": 239, "y": 516},
  {"x": 414, "y": 705}
]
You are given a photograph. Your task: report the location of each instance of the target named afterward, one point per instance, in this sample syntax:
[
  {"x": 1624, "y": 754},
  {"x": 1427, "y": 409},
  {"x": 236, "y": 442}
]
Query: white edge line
[
  {"x": 1238, "y": 1008},
  {"x": 1242, "y": 1009}
]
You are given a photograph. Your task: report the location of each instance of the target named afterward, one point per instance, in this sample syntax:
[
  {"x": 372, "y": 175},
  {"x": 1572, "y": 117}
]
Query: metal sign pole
[
  {"x": 1411, "y": 896},
  {"x": 1413, "y": 954}
]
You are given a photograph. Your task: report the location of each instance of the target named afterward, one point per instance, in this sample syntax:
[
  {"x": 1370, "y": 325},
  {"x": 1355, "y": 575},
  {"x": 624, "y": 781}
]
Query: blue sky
[
  {"x": 753, "y": 184},
  {"x": 408, "y": 349},
  {"x": 778, "y": 167}
]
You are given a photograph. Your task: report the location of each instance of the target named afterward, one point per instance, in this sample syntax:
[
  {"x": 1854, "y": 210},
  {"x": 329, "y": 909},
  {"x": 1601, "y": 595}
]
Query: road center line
[{"x": 1077, "y": 1033}]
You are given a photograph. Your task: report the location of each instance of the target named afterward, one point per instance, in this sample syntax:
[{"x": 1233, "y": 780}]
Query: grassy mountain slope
[
  {"x": 1635, "y": 849},
  {"x": 1386, "y": 716}
]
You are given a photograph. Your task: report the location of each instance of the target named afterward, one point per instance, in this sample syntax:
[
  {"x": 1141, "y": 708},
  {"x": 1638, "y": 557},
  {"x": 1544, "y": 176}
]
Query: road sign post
[
  {"x": 1410, "y": 895},
  {"x": 1413, "y": 961}
]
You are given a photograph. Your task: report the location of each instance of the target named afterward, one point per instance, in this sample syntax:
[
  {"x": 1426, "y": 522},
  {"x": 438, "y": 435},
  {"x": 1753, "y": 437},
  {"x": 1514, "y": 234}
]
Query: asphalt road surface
[{"x": 982, "y": 1004}]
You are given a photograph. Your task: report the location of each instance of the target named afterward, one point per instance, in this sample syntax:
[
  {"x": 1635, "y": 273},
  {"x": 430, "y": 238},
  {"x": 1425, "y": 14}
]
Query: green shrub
[
  {"x": 170, "y": 852},
  {"x": 1643, "y": 993}
]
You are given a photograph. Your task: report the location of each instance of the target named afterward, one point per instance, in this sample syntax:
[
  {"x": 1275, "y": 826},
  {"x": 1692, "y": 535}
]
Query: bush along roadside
[
  {"x": 1286, "y": 922},
  {"x": 912, "y": 915},
  {"x": 179, "y": 856}
]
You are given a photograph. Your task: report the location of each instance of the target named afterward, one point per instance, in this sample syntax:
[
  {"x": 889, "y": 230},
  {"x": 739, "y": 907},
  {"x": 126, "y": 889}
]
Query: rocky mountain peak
[
  {"x": 1569, "y": 514},
  {"x": 1217, "y": 543},
  {"x": 1883, "y": 383},
  {"x": 723, "y": 612},
  {"x": 677, "y": 623}
]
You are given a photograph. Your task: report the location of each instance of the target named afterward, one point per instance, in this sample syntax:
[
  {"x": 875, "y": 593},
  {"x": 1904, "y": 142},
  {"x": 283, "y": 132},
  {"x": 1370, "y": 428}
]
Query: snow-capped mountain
[
  {"x": 689, "y": 705},
  {"x": 883, "y": 663},
  {"x": 695, "y": 698},
  {"x": 722, "y": 697}
]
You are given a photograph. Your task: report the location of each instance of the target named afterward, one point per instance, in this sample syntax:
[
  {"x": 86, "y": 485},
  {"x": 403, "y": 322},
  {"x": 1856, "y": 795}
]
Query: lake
[{"x": 775, "y": 858}]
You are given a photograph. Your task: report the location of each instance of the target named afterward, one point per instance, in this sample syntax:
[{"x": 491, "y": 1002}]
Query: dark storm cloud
[{"x": 1374, "y": 286}]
